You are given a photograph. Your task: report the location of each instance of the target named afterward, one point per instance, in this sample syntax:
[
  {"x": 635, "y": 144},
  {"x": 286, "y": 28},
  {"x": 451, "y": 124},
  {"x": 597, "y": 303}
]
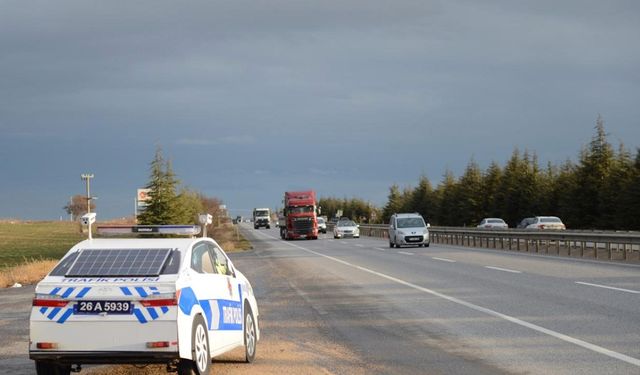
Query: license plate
[
  {"x": 303, "y": 236},
  {"x": 103, "y": 307}
]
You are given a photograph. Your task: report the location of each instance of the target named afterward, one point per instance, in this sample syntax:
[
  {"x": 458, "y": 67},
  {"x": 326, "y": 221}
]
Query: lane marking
[
  {"x": 379, "y": 248},
  {"x": 444, "y": 259},
  {"x": 359, "y": 245},
  {"x": 520, "y": 322},
  {"x": 404, "y": 252},
  {"x": 502, "y": 269},
  {"x": 609, "y": 287}
]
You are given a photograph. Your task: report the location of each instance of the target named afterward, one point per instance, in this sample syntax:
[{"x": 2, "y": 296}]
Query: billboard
[{"x": 142, "y": 197}]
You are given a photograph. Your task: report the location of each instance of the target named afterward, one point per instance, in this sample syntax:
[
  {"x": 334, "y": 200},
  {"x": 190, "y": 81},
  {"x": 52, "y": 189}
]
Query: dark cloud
[{"x": 250, "y": 98}]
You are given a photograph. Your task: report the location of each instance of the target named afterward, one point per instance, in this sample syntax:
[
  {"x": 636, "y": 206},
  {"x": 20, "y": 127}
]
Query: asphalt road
[
  {"x": 450, "y": 310},
  {"x": 357, "y": 306}
]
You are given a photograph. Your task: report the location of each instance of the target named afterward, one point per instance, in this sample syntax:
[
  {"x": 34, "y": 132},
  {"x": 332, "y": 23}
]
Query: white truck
[{"x": 261, "y": 218}]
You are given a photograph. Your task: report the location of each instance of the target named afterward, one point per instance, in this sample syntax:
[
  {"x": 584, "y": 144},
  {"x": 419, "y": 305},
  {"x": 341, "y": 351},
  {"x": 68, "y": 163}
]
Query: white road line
[
  {"x": 359, "y": 245},
  {"x": 520, "y": 322},
  {"x": 609, "y": 287},
  {"x": 379, "y": 248},
  {"x": 404, "y": 252},
  {"x": 502, "y": 269},
  {"x": 444, "y": 259}
]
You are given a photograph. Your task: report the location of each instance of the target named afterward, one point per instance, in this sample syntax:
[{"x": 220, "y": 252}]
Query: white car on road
[
  {"x": 408, "y": 229},
  {"x": 493, "y": 223},
  {"x": 175, "y": 301},
  {"x": 346, "y": 228}
]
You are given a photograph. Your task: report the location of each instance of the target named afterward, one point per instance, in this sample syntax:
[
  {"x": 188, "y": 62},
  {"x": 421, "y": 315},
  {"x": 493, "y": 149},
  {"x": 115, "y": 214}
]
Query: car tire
[
  {"x": 200, "y": 363},
  {"x": 250, "y": 335},
  {"x": 268, "y": 226},
  {"x": 427, "y": 245},
  {"x": 49, "y": 368}
]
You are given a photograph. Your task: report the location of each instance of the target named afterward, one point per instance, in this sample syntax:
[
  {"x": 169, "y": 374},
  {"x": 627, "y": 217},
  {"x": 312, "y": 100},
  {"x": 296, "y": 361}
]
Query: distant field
[{"x": 24, "y": 241}]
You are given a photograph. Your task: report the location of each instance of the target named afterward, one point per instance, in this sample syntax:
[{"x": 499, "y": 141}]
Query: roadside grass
[
  {"x": 26, "y": 241},
  {"x": 30, "y": 249},
  {"x": 230, "y": 239}
]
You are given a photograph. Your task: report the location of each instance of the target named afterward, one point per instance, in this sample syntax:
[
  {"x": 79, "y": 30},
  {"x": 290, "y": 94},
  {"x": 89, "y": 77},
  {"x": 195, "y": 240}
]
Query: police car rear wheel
[
  {"x": 201, "y": 358},
  {"x": 250, "y": 339}
]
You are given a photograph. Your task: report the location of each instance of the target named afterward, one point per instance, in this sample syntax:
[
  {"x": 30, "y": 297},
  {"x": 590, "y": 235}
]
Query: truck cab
[{"x": 261, "y": 218}]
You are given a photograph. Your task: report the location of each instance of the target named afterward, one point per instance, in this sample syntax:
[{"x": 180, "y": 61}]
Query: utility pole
[{"x": 87, "y": 177}]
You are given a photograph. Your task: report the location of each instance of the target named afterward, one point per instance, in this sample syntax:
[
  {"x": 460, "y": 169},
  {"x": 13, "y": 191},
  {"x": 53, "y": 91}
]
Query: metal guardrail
[{"x": 623, "y": 246}]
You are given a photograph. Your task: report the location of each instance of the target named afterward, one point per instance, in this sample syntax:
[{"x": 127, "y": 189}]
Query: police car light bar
[{"x": 184, "y": 230}]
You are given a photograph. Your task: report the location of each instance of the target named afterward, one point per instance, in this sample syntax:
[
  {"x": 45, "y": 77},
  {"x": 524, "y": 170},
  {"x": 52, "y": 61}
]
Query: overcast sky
[{"x": 253, "y": 98}]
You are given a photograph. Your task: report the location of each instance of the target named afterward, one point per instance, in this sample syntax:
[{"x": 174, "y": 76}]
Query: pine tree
[
  {"x": 164, "y": 206},
  {"x": 394, "y": 203},
  {"x": 490, "y": 187},
  {"x": 594, "y": 169},
  {"x": 469, "y": 196}
]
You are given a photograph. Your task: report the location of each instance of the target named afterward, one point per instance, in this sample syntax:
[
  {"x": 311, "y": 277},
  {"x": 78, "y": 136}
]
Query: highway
[
  {"x": 445, "y": 309},
  {"x": 356, "y": 306}
]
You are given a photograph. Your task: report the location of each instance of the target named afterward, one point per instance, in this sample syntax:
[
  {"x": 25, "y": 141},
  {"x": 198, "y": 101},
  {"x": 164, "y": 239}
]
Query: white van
[{"x": 408, "y": 229}]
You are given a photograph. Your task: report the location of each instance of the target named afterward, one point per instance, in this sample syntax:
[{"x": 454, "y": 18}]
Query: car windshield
[
  {"x": 300, "y": 209},
  {"x": 262, "y": 213},
  {"x": 550, "y": 220},
  {"x": 410, "y": 222},
  {"x": 320, "y": 220},
  {"x": 346, "y": 223},
  {"x": 496, "y": 221}
]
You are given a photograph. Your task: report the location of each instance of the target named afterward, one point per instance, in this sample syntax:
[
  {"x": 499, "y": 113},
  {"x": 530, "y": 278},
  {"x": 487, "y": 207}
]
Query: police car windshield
[{"x": 410, "y": 222}]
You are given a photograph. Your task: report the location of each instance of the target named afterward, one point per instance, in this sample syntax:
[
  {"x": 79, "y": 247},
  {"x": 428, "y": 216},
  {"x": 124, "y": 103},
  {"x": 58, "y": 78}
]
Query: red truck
[{"x": 300, "y": 220}]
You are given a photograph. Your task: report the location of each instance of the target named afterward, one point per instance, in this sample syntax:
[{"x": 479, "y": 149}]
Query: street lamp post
[{"x": 87, "y": 177}]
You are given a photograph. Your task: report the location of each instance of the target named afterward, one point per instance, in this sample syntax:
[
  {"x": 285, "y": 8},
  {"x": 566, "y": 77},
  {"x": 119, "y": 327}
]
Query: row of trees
[
  {"x": 601, "y": 190},
  {"x": 354, "y": 208}
]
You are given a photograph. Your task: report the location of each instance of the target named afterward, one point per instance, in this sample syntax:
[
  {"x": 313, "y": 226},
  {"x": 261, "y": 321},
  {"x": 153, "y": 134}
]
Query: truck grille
[{"x": 302, "y": 225}]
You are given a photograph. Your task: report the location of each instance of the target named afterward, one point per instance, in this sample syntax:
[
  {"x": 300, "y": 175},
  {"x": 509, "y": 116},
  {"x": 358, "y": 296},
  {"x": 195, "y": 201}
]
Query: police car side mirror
[{"x": 428, "y": 225}]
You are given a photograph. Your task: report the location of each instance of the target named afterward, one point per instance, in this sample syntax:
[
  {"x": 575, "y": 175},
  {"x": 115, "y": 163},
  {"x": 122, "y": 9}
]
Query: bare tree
[{"x": 78, "y": 206}]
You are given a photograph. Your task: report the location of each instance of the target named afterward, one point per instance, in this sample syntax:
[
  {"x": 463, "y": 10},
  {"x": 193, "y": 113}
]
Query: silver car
[
  {"x": 493, "y": 223},
  {"x": 346, "y": 228},
  {"x": 408, "y": 229}
]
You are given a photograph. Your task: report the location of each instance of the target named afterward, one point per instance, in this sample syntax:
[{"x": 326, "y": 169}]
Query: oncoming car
[
  {"x": 346, "y": 228},
  {"x": 174, "y": 301},
  {"x": 408, "y": 229},
  {"x": 322, "y": 225}
]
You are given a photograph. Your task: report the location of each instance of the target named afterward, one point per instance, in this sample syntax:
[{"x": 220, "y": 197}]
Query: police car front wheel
[
  {"x": 201, "y": 357},
  {"x": 250, "y": 338}
]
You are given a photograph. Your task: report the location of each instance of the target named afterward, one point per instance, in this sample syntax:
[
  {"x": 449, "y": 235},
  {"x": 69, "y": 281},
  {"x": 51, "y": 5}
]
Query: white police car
[{"x": 177, "y": 301}]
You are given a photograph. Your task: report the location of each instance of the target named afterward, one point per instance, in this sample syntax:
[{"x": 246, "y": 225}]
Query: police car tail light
[
  {"x": 157, "y": 344},
  {"x": 159, "y": 300},
  {"x": 45, "y": 300},
  {"x": 47, "y": 345}
]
